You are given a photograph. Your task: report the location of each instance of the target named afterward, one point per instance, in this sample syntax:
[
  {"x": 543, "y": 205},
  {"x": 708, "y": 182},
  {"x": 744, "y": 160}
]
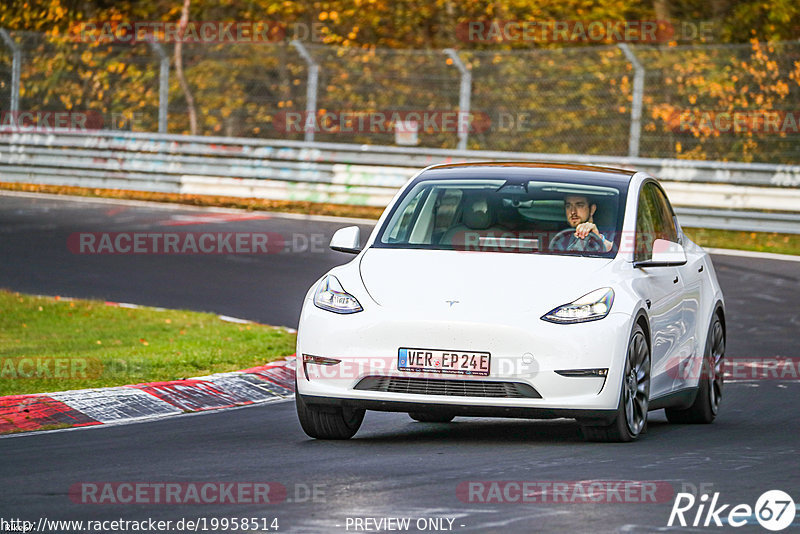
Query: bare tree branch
[{"x": 187, "y": 92}]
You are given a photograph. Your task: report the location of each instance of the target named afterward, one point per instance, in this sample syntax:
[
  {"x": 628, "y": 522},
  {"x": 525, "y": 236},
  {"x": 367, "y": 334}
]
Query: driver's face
[{"x": 578, "y": 209}]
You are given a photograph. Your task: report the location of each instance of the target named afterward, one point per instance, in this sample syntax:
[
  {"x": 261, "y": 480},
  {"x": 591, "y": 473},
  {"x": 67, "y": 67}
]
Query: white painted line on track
[{"x": 236, "y": 320}]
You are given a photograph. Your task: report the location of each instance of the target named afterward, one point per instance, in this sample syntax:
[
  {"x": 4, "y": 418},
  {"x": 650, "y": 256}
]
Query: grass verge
[
  {"x": 51, "y": 344},
  {"x": 756, "y": 241},
  {"x": 256, "y": 204}
]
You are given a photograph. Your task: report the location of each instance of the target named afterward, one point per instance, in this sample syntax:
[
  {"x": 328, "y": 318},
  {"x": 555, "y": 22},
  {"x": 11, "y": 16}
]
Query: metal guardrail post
[
  {"x": 16, "y": 65},
  {"x": 464, "y": 96},
  {"x": 163, "y": 85},
  {"x": 636, "y": 106},
  {"x": 311, "y": 90}
]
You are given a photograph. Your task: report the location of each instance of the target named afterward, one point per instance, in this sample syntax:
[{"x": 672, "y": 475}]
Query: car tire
[
  {"x": 327, "y": 422},
  {"x": 709, "y": 390},
  {"x": 431, "y": 417},
  {"x": 630, "y": 420}
]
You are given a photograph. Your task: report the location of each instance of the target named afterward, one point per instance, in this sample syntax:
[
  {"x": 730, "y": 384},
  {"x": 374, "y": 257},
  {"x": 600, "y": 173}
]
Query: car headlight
[
  {"x": 331, "y": 296},
  {"x": 590, "y": 307}
]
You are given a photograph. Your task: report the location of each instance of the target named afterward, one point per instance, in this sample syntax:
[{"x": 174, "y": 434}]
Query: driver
[{"x": 580, "y": 212}]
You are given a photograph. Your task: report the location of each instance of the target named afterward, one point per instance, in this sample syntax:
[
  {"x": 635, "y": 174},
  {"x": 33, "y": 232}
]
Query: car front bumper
[{"x": 524, "y": 350}]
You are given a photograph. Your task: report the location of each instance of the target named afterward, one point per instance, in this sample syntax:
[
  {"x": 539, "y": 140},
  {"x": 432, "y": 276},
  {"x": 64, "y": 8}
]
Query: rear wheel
[
  {"x": 709, "y": 391},
  {"x": 327, "y": 422},
  {"x": 431, "y": 417},
  {"x": 631, "y": 418}
]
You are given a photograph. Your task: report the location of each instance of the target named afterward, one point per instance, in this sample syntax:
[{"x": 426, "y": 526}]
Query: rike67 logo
[{"x": 774, "y": 510}]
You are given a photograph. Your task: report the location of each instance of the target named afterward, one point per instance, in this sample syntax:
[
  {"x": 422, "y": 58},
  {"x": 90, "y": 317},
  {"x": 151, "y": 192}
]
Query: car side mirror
[
  {"x": 347, "y": 240},
  {"x": 665, "y": 253}
]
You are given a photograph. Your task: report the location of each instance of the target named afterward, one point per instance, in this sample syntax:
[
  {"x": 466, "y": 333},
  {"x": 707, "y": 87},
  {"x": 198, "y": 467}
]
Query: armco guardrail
[{"x": 363, "y": 174}]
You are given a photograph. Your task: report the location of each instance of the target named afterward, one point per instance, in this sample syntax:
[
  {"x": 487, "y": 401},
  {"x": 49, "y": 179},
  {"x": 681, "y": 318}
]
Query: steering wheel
[{"x": 590, "y": 243}]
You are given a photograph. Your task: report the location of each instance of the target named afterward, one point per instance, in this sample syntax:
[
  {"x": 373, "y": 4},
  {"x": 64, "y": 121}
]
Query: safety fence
[{"x": 732, "y": 102}]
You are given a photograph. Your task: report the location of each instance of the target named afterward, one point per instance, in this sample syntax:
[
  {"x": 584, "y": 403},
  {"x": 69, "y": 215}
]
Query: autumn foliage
[{"x": 715, "y": 88}]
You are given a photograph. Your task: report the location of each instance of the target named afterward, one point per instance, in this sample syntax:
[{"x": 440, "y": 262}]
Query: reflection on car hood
[{"x": 428, "y": 279}]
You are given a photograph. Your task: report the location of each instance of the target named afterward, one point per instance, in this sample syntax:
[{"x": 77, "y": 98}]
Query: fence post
[
  {"x": 311, "y": 90},
  {"x": 16, "y": 65},
  {"x": 464, "y": 95},
  {"x": 163, "y": 85},
  {"x": 636, "y": 106}
]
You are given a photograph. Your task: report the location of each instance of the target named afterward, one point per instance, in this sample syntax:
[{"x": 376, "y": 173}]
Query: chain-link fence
[{"x": 715, "y": 102}]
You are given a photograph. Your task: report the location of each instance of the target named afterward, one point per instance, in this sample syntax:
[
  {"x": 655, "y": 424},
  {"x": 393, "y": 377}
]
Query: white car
[{"x": 528, "y": 290}]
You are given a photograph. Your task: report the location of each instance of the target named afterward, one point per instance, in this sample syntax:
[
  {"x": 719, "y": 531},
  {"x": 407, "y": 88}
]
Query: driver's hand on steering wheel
[{"x": 584, "y": 229}]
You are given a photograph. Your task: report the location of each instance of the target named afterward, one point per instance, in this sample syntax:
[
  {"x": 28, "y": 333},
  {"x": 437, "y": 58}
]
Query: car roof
[{"x": 519, "y": 171}]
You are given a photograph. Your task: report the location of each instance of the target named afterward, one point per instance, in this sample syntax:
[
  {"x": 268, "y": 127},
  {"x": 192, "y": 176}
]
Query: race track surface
[{"x": 394, "y": 467}]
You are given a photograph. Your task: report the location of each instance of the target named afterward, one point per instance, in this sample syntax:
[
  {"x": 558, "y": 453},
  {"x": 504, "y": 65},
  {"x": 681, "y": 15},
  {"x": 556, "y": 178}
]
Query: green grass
[
  {"x": 756, "y": 241},
  {"x": 50, "y": 344}
]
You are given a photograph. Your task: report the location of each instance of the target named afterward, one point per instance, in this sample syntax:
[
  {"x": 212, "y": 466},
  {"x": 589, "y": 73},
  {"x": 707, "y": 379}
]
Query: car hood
[{"x": 429, "y": 279}]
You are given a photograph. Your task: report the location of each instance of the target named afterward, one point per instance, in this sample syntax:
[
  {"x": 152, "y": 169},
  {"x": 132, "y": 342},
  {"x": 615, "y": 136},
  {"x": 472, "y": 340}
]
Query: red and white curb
[{"x": 88, "y": 407}]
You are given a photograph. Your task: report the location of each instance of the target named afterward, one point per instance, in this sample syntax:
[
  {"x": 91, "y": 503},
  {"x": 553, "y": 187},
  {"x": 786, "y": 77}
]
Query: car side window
[
  {"x": 669, "y": 232},
  {"x": 646, "y": 224},
  {"x": 406, "y": 217},
  {"x": 654, "y": 220}
]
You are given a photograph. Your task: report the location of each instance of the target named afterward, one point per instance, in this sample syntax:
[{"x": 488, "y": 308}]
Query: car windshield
[{"x": 495, "y": 215}]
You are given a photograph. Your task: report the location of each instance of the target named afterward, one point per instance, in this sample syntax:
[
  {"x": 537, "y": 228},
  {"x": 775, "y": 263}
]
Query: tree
[{"x": 187, "y": 91}]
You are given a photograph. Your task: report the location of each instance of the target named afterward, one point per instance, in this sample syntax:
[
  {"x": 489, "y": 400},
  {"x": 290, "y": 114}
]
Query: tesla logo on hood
[{"x": 451, "y": 302}]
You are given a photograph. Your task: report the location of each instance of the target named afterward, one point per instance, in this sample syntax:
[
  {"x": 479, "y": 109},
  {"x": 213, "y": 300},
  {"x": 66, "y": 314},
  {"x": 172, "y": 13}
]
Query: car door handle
[
  {"x": 675, "y": 281},
  {"x": 700, "y": 270}
]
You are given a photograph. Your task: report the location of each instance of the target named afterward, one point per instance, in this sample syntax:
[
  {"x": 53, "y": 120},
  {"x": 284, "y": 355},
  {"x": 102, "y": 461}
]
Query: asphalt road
[{"x": 393, "y": 467}]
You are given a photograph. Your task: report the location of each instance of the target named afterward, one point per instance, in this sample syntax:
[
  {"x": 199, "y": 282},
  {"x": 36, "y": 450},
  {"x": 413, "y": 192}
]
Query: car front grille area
[{"x": 448, "y": 387}]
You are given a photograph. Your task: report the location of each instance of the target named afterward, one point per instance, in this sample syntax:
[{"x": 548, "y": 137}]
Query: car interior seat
[{"x": 478, "y": 217}]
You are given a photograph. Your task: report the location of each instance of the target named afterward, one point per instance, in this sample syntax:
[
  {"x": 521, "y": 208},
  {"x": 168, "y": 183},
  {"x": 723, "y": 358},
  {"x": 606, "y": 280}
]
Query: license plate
[{"x": 444, "y": 361}]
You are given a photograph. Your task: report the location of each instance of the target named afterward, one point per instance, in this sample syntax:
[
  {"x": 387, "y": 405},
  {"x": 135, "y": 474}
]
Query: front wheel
[
  {"x": 631, "y": 418},
  {"x": 327, "y": 422}
]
